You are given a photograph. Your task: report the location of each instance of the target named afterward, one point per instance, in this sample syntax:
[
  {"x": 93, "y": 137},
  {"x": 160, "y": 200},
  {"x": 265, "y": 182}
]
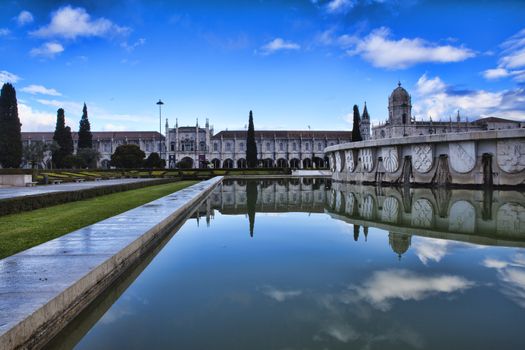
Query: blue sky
[{"x": 294, "y": 63}]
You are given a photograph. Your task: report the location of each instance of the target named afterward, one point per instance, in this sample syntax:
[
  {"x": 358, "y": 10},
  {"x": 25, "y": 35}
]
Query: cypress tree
[
  {"x": 356, "y": 133},
  {"x": 63, "y": 138},
  {"x": 85, "y": 138},
  {"x": 251, "y": 146},
  {"x": 10, "y": 135}
]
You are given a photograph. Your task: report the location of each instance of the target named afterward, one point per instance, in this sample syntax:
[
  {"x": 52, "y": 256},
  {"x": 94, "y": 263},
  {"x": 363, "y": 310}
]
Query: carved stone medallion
[
  {"x": 422, "y": 157},
  {"x": 338, "y": 162},
  {"x": 366, "y": 210},
  {"x": 422, "y": 213},
  {"x": 349, "y": 157},
  {"x": 390, "y": 211},
  {"x": 462, "y": 217},
  {"x": 367, "y": 159},
  {"x": 511, "y": 155},
  {"x": 390, "y": 158},
  {"x": 462, "y": 156}
]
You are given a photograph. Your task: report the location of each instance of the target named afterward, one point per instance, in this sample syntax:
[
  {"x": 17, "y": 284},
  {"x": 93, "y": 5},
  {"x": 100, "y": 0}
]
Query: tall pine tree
[
  {"x": 251, "y": 146},
  {"x": 63, "y": 138},
  {"x": 85, "y": 138},
  {"x": 10, "y": 136},
  {"x": 356, "y": 132}
]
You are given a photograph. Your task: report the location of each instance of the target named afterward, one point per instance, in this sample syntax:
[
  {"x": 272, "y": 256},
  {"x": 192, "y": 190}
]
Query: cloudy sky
[{"x": 295, "y": 63}]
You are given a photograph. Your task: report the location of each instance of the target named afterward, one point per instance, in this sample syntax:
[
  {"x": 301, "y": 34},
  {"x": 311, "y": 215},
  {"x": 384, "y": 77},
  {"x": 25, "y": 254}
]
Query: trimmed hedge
[{"x": 26, "y": 203}]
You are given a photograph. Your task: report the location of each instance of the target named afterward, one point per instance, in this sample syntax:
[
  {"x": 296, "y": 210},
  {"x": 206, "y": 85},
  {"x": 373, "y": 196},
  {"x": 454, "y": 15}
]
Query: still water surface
[{"x": 308, "y": 265}]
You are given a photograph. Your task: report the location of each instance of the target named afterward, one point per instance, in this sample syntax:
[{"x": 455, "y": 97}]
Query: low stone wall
[
  {"x": 43, "y": 288},
  {"x": 469, "y": 158},
  {"x": 19, "y": 180}
]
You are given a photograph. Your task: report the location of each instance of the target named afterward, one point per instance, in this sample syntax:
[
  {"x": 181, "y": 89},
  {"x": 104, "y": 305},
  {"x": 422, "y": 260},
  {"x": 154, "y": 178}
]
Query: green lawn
[{"x": 25, "y": 230}]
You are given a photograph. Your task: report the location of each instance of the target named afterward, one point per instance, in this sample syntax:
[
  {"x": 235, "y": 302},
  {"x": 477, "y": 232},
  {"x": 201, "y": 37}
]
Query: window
[
  {"x": 307, "y": 146},
  {"x": 281, "y": 146},
  {"x": 294, "y": 146},
  {"x": 241, "y": 146},
  {"x": 268, "y": 146},
  {"x": 215, "y": 146},
  {"x": 319, "y": 146},
  {"x": 228, "y": 147},
  {"x": 172, "y": 146}
]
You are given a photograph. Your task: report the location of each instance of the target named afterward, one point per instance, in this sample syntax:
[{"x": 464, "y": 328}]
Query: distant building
[
  {"x": 197, "y": 146},
  {"x": 105, "y": 142},
  {"x": 401, "y": 123}
]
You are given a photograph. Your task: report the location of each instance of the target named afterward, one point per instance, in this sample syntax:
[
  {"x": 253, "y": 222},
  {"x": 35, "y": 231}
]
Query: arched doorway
[
  {"x": 216, "y": 163},
  {"x": 268, "y": 163},
  {"x": 295, "y": 163},
  {"x": 318, "y": 162},
  {"x": 282, "y": 163},
  {"x": 105, "y": 164},
  {"x": 307, "y": 163},
  {"x": 228, "y": 163},
  {"x": 241, "y": 163}
]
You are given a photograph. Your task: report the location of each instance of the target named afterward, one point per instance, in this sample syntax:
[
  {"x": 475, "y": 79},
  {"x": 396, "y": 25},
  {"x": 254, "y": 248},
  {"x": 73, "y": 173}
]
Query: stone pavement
[
  {"x": 43, "y": 288},
  {"x": 12, "y": 192}
]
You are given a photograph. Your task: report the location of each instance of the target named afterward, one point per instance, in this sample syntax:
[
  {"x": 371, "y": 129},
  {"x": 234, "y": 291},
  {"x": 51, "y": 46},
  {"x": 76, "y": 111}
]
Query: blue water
[{"x": 308, "y": 277}]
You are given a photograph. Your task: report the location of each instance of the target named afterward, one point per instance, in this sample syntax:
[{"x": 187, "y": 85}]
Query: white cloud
[
  {"x": 278, "y": 44},
  {"x": 7, "y": 77},
  {"x": 280, "y": 295},
  {"x": 382, "y": 51},
  {"x": 69, "y": 23},
  {"x": 337, "y": 6},
  {"x": 49, "y": 49},
  {"x": 39, "y": 89},
  {"x": 68, "y": 106},
  {"x": 4, "y": 31},
  {"x": 511, "y": 60},
  {"x": 437, "y": 99},
  {"x": 512, "y": 276},
  {"x": 387, "y": 285},
  {"x": 35, "y": 120},
  {"x": 133, "y": 46},
  {"x": 342, "y": 332},
  {"x": 114, "y": 127},
  {"x": 25, "y": 17}
]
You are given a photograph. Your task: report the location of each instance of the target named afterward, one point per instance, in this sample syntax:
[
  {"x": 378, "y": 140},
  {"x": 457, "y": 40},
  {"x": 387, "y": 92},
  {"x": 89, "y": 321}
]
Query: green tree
[
  {"x": 251, "y": 146},
  {"x": 34, "y": 153},
  {"x": 154, "y": 161},
  {"x": 85, "y": 138},
  {"x": 356, "y": 132},
  {"x": 251, "y": 203},
  {"x": 10, "y": 135},
  {"x": 89, "y": 156},
  {"x": 128, "y": 157},
  {"x": 63, "y": 138}
]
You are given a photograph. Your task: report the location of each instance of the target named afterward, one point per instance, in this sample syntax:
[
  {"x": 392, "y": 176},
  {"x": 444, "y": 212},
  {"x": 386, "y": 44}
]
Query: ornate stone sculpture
[
  {"x": 511, "y": 219},
  {"x": 349, "y": 157},
  {"x": 422, "y": 157},
  {"x": 511, "y": 156},
  {"x": 390, "y": 158},
  {"x": 367, "y": 159},
  {"x": 462, "y": 156},
  {"x": 462, "y": 217},
  {"x": 366, "y": 210},
  {"x": 390, "y": 211}
]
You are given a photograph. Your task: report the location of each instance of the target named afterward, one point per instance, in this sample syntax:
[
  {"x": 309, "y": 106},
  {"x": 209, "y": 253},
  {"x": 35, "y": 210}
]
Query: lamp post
[{"x": 160, "y": 103}]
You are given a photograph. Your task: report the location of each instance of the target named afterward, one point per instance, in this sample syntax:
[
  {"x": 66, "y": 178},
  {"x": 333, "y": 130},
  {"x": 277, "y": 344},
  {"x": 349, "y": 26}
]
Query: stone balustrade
[{"x": 468, "y": 158}]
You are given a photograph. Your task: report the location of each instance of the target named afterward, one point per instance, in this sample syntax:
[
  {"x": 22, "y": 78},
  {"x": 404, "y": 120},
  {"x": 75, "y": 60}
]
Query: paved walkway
[{"x": 12, "y": 192}]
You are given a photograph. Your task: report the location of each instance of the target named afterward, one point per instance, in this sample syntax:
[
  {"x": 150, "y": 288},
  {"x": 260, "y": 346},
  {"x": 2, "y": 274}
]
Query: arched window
[
  {"x": 281, "y": 146},
  {"x": 215, "y": 146},
  {"x": 241, "y": 146},
  {"x": 294, "y": 146},
  {"x": 319, "y": 146},
  {"x": 307, "y": 146},
  {"x": 228, "y": 147},
  {"x": 268, "y": 146}
]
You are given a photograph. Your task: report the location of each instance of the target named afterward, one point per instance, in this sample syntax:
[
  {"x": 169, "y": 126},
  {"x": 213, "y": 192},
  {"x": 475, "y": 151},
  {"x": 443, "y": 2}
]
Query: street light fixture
[{"x": 160, "y": 103}]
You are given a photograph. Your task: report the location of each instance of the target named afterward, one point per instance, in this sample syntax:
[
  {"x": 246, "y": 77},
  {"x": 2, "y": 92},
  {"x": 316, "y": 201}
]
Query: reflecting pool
[{"x": 306, "y": 264}]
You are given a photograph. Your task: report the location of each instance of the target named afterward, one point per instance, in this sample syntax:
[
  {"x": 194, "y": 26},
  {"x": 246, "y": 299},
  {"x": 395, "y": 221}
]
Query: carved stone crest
[
  {"x": 511, "y": 156},
  {"x": 338, "y": 162},
  {"x": 462, "y": 217},
  {"x": 511, "y": 219},
  {"x": 390, "y": 211},
  {"x": 367, "y": 159},
  {"x": 462, "y": 156},
  {"x": 390, "y": 158},
  {"x": 422, "y": 157},
  {"x": 422, "y": 213},
  {"x": 349, "y": 157}
]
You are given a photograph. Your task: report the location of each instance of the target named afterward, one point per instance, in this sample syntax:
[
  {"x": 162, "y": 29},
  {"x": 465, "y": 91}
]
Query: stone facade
[
  {"x": 197, "y": 146},
  {"x": 105, "y": 142}
]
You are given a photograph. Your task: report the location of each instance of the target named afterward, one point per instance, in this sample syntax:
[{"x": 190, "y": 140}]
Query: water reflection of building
[{"x": 399, "y": 242}]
